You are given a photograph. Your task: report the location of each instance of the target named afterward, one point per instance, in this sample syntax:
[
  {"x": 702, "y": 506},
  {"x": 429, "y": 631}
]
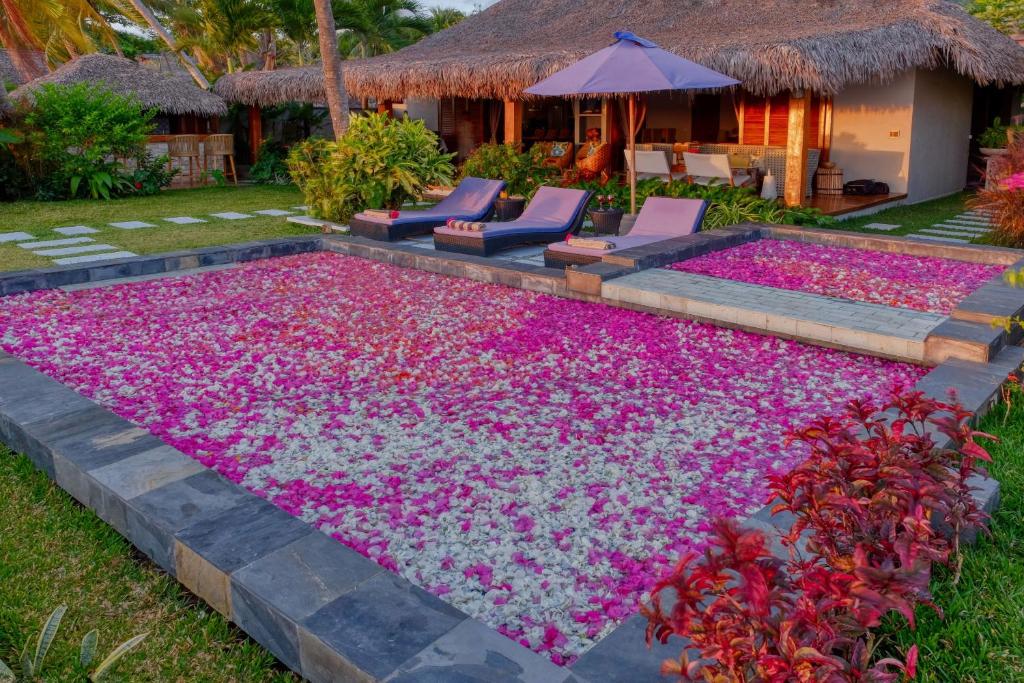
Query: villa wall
[
  {"x": 940, "y": 144},
  {"x": 864, "y": 119}
]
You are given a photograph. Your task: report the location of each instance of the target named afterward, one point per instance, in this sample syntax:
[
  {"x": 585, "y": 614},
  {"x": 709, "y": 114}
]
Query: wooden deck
[{"x": 837, "y": 205}]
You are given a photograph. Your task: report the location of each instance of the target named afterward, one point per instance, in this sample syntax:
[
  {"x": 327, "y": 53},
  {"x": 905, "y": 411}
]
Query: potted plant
[
  {"x": 606, "y": 217},
  {"x": 994, "y": 139}
]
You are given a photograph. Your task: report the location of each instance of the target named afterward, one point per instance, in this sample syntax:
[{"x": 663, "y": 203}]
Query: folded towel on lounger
[
  {"x": 472, "y": 226},
  {"x": 381, "y": 213},
  {"x": 590, "y": 243}
]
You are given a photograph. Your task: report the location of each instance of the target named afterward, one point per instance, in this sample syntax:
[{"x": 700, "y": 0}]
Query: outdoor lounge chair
[
  {"x": 713, "y": 169},
  {"x": 472, "y": 200},
  {"x": 552, "y": 214},
  {"x": 661, "y": 218},
  {"x": 651, "y": 164}
]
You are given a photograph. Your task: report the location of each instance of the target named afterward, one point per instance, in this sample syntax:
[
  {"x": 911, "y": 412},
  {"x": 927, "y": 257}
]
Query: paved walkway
[
  {"x": 871, "y": 328},
  {"x": 960, "y": 229},
  {"x": 70, "y": 246}
]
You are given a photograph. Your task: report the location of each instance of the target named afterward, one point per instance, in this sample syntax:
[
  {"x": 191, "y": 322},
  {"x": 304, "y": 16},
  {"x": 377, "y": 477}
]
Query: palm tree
[
  {"x": 444, "y": 17},
  {"x": 334, "y": 82},
  {"x": 221, "y": 33},
  {"x": 58, "y": 30},
  {"x": 186, "y": 59},
  {"x": 297, "y": 22},
  {"x": 375, "y": 27}
]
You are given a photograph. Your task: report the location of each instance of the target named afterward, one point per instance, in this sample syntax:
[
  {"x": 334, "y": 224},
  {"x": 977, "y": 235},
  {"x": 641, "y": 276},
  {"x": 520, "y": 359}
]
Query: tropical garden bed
[
  {"x": 918, "y": 282},
  {"x": 536, "y": 462}
]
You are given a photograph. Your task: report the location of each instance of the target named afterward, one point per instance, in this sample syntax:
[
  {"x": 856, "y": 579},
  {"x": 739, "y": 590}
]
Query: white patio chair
[
  {"x": 713, "y": 169},
  {"x": 651, "y": 164}
]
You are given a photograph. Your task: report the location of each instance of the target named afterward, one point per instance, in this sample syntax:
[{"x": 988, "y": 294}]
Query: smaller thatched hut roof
[
  {"x": 167, "y": 93},
  {"x": 269, "y": 88},
  {"x": 10, "y": 74}
]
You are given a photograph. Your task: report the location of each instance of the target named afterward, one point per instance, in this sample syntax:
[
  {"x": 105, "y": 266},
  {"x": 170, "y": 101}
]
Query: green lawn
[
  {"x": 981, "y": 637},
  {"x": 39, "y": 218},
  {"x": 909, "y": 218},
  {"x": 54, "y": 551}
]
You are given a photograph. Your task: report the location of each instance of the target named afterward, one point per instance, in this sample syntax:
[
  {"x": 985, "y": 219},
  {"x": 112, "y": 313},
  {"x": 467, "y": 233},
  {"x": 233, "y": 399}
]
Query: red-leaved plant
[{"x": 862, "y": 545}]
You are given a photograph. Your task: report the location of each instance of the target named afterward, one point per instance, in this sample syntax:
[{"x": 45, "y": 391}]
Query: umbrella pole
[{"x": 632, "y": 154}]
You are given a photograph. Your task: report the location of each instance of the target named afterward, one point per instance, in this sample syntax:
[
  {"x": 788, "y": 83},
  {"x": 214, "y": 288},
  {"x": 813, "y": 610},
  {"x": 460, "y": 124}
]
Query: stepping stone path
[
  {"x": 76, "y": 230},
  {"x": 231, "y": 215},
  {"x": 73, "y": 248},
  {"x": 960, "y": 229},
  {"x": 15, "y": 236}
]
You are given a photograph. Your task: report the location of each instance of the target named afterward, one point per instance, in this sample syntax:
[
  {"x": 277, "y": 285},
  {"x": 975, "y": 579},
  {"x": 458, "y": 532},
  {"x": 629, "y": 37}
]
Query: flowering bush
[
  {"x": 1004, "y": 201},
  {"x": 535, "y": 461},
  {"x": 381, "y": 162},
  {"x": 862, "y": 546},
  {"x": 920, "y": 282}
]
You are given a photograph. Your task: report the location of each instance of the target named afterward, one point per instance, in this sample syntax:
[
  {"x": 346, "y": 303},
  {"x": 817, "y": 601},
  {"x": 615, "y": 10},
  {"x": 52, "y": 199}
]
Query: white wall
[
  {"x": 420, "y": 109},
  {"x": 863, "y": 116},
  {"x": 940, "y": 144}
]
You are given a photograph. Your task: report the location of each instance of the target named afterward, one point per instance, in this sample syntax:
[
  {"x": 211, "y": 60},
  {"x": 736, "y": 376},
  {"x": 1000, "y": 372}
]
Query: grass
[
  {"x": 981, "y": 637},
  {"x": 54, "y": 551},
  {"x": 909, "y": 218},
  {"x": 39, "y": 218}
]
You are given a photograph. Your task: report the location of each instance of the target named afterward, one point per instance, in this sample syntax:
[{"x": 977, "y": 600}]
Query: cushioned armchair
[
  {"x": 594, "y": 163},
  {"x": 557, "y": 155}
]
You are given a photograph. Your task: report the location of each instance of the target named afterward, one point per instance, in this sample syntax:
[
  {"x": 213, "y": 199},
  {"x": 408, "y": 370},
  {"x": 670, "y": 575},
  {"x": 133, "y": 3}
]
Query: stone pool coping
[{"x": 324, "y": 610}]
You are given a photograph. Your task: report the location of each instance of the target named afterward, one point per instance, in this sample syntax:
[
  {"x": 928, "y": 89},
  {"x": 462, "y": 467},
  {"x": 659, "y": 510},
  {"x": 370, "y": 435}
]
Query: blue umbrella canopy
[{"x": 629, "y": 66}]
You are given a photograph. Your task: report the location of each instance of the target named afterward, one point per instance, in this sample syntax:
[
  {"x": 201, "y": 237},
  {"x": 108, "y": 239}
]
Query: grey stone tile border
[{"x": 324, "y": 610}]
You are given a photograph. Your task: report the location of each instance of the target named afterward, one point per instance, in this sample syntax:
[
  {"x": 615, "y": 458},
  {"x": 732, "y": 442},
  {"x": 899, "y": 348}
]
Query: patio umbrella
[{"x": 629, "y": 66}]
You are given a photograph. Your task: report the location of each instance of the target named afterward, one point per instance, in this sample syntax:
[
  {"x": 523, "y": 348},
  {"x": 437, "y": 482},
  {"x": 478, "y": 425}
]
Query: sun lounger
[
  {"x": 472, "y": 200},
  {"x": 661, "y": 218},
  {"x": 552, "y": 214}
]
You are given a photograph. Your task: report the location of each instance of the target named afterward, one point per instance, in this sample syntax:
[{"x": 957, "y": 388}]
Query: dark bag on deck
[{"x": 865, "y": 187}]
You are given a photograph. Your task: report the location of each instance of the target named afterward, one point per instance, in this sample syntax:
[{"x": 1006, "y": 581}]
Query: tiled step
[
  {"x": 945, "y": 231},
  {"x": 867, "y": 328},
  {"x": 15, "y": 236},
  {"x": 87, "y": 258},
  {"x": 80, "y": 249},
  {"x": 45, "y": 244},
  {"x": 930, "y": 238}
]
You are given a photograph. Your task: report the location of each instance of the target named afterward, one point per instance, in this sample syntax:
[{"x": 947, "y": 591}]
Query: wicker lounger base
[
  {"x": 562, "y": 259},
  {"x": 486, "y": 247},
  {"x": 391, "y": 233}
]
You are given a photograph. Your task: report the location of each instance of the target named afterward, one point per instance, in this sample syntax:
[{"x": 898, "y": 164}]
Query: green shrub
[
  {"x": 521, "y": 171},
  {"x": 271, "y": 167},
  {"x": 79, "y": 134},
  {"x": 15, "y": 182},
  {"x": 997, "y": 135},
  {"x": 381, "y": 162}
]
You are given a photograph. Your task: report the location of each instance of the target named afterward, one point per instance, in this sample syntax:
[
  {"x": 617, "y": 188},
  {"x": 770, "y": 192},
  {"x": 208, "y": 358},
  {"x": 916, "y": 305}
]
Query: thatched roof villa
[
  {"x": 885, "y": 89},
  {"x": 183, "y": 106}
]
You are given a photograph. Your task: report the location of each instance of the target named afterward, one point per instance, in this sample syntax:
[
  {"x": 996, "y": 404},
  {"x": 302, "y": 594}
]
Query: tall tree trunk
[
  {"x": 334, "y": 81},
  {"x": 186, "y": 59}
]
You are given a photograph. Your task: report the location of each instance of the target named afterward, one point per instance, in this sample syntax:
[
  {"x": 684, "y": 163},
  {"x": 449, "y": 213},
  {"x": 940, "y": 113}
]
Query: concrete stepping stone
[
  {"x": 301, "y": 208},
  {"x": 881, "y": 226},
  {"x": 86, "y": 258},
  {"x": 231, "y": 215},
  {"x": 970, "y": 221},
  {"x": 963, "y": 228},
  {"x": 273, "y": 212},
  {"x": 184, "y": 220},
  {"x": 936, "y": 238},
  {"x": 132, "y": 225},
  {"x": 947, "y": 233},
  {"x": 15, "y": 236},
  {"x": 76, "y": 230},
  {"x": 81, "y": 249},
  {"x": 55, "y": 243}
]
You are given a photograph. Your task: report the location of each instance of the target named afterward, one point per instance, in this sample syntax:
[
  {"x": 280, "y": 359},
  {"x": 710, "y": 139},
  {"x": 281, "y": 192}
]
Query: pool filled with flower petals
[
  {"x": 922, "y": 283},
  {"x": 536, "y": 461}
]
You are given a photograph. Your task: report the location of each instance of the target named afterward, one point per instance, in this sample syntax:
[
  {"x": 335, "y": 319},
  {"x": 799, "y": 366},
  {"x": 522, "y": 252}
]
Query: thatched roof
[
  {"x": 10, "y": 74},
  {"x": 769, "y": 45},
  {"x": 167, "y": 93}
]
